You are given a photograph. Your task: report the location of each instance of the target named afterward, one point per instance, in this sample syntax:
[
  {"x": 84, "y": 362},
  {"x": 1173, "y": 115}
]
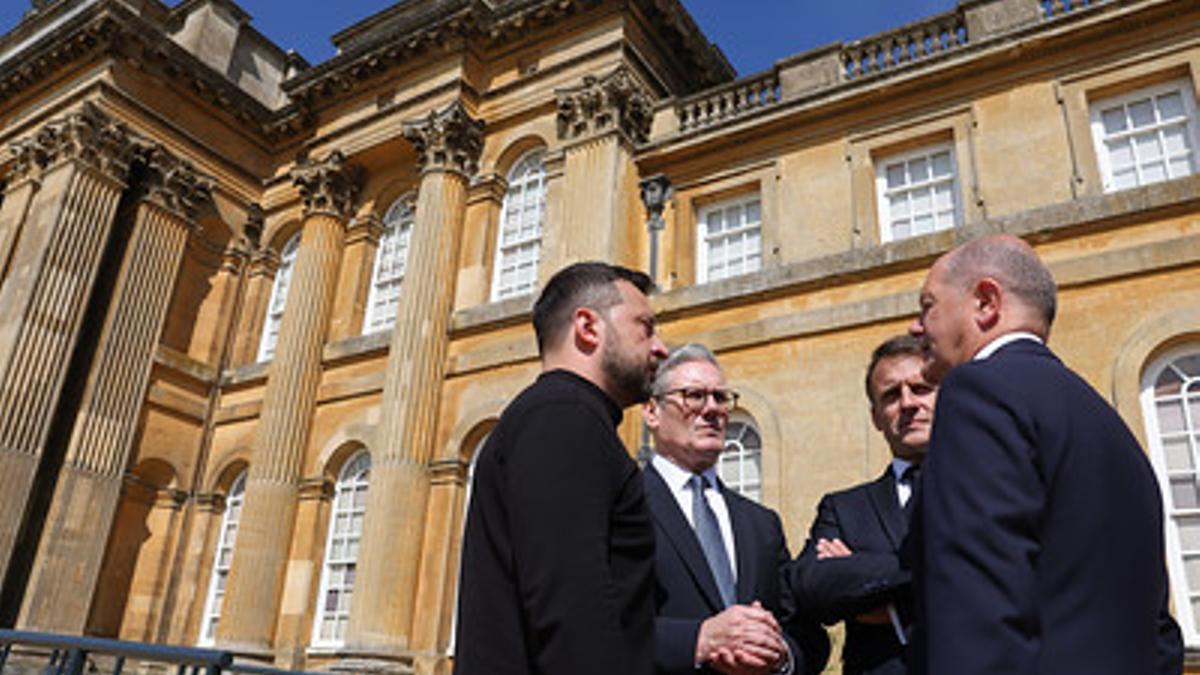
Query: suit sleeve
[
  {"x": 835, "y": 589},
  {"x": 1170, "y": 641},
  {"x": 806, "y": 637},
  {"x": 675, "y": 645},
  {"x": 561, "y": 481},
  {"x": 982, "y": 497}
]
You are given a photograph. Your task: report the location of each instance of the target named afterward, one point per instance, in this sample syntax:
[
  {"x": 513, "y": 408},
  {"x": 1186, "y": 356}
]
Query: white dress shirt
[
  {"x": 676, "y": 478},
  {"x": 903, "y": 487},
  {"x": 991, "y": 347}
]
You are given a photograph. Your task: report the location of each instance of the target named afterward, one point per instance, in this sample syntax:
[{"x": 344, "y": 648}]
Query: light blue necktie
[{"x": 709, "y": 534}]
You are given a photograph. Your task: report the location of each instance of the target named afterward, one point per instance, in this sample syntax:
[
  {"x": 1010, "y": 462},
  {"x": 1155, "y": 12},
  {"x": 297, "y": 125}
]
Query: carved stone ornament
[
  {"x": 448, "y": 140},
  {"x": 615, "y": 102},
  {"x": 328, "y": 186},
  {"x": 173, "y": 183},
  {"x": 656, "y": 192},
  {"x": 87, "y": 135}
]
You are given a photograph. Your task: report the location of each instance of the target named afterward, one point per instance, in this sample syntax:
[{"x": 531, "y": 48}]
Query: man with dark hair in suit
[
  {"x": 558, "y": 554},
  {"x": 722, "y": 603},
  {"x": 1038, "y": 533},
  {"x": 850, "y": 569}
]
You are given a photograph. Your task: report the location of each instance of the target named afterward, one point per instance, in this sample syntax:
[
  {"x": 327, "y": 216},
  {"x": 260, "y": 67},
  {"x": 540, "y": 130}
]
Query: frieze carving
[
  {"x": 614, "y": 102},
  {"x": 448, "y": 139},
  {"x": 173, "y": 183},
  {"x": 328, "y": 186},
  {"x": 87, "y": 135}
]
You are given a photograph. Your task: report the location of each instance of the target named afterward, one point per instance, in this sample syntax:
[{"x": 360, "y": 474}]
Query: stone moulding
[
  {"x": 613, "y": 102},
  {"x": 328, "y": 186},
  {"x": 448, "y": 140}
]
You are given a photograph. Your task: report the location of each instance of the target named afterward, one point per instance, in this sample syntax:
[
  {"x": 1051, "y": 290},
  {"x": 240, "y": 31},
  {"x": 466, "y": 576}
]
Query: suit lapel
[
  {"x": 744, "y": 545},
  {"x": 680, "y": 535},
  {"x": 887, "y": 507}
]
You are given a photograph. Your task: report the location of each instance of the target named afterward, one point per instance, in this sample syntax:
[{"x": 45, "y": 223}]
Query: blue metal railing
[{"x": 73, "y": 655}]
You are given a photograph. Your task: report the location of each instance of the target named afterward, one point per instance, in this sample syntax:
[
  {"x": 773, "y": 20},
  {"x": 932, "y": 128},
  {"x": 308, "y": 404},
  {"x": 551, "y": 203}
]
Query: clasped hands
[{"x": 742, "y": 640}]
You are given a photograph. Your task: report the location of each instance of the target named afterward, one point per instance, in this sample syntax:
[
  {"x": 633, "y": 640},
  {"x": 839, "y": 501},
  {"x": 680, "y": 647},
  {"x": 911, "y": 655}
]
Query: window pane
[
  {"x": 1185, "y": 494},
  {"x": 1170, "y": 106},
  {"x": 919, "y": 170},
  {"x": 1113, "y": 120},
  {"x": 1120, "y": 154},
  {"x": 895, "y": 176},
  {"x": 1141, "y": 113},
  {"x": 941, "y": 164}
]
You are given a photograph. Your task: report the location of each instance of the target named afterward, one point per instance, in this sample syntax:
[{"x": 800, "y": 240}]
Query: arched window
[
  {"x": 389, "y": 267},
  {"x": 1171, "y": 409},
  {"x": 341, "y": 552},
  {"x": 222, "y": 558},
  {"x": 740, "y": 466},
  {"x": 279, "y": 290},
  {"x": 519, "y": 246}
]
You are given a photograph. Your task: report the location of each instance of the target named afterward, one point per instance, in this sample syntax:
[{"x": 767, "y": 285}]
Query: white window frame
[
  {"x": 1190, "y": 123},
  {"x": 1187, "y": 601},
  {"x": 273, "y": 318},
  {"x": 219, "y": 575},
  {"x": 519, "y": 239},
  {"x": 747, "y": 233},
  {"x": 884, "y": 194},
  {"x": 732, "y": 463},
  {"x": 352, "y": 485},
  {"x": 462, "y": 533},
  {"x": 391, "y": 260}
]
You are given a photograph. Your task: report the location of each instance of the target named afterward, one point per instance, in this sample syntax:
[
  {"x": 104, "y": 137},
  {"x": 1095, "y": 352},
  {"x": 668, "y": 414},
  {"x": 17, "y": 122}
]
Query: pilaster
[
  {"x": 83, "y": 160},
  {"x": 88, "y": 490},
  {"x": 599, "y": 122},
  {"x": 328, "y": 188},
  {"x": 362, "y": 246},
  {"x": 448, "y": 144}
]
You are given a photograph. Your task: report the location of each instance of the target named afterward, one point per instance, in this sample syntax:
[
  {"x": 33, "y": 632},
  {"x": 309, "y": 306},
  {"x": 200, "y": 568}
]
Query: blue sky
[{"x": 752, "y": 33}]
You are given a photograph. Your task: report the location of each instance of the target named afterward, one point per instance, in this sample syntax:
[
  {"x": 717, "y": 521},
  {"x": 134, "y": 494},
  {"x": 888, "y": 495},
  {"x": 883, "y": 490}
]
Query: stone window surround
[
  {"x": 866, "y": 151},
  {"x": 1181, "y": 86},
  {"x": 1078, "y": 92},
  {"x": 683, "y": 226}
]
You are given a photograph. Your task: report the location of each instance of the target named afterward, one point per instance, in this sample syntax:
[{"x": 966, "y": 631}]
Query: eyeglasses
[{"x": 694, "y": 398}]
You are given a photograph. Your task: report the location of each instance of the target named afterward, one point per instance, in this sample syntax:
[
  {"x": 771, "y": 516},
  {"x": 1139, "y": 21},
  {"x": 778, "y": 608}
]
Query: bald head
[
  {"x": 986, "y": 288},
  {"x": 1014, "y": 266}
]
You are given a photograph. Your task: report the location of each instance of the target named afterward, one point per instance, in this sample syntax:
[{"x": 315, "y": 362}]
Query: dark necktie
[
  {"x": 709, "y": 534},
  {"x": 909, "y": 478}
]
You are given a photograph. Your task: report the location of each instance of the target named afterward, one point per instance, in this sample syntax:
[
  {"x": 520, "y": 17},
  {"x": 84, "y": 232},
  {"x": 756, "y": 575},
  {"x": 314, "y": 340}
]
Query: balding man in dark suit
[{"x": 1038, "y": 530}]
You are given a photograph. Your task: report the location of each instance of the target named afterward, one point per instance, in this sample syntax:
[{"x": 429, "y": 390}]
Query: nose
[
  {"x": 657, "y": 348},
  {"x": 916, "y": 328},
  {"x": 908, "y": 399}
]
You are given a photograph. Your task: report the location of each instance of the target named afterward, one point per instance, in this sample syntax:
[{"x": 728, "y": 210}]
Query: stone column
[
  {"x": 14, "y": 207},
  {"x": 599, "y": 122},
  {"x": 448, "y": 144},
  {"x": 83, "y": 160},
  {"x": 328, "y": 188},
  {"x": 89, "y": 485}
]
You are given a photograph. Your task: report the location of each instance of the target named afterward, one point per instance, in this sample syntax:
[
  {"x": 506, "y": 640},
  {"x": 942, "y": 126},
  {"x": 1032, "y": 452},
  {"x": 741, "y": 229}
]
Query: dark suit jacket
[
  {"x": 686, "y": 594},
  {"x": 868, "y": 518},
  {"x": 558, "y": 554},
  {"x": 1038, "y": 529}
]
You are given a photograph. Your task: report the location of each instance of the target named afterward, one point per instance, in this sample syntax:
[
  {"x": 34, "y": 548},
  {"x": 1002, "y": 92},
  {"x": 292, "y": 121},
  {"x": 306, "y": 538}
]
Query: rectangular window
[
  {"x": 917, "y": 193},
  {"x": 1145, "y": 136},
  {"x": 730, "y": 239}
]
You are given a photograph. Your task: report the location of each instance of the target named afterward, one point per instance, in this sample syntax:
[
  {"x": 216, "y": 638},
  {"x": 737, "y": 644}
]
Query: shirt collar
[
  {"x": 676, "y": 476},
  {"x": 993, "y": 346}
]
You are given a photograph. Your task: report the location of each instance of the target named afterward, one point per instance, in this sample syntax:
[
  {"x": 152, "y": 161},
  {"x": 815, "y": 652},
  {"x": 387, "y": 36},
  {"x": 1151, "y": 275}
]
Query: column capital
[
  {"x": 327, "y": 186},
  {"x": 447, "y": 140},
  {"x": 87, "y": 135},
  {"x": 616, "y": 102},
  {"x": 173, "y": 184}
]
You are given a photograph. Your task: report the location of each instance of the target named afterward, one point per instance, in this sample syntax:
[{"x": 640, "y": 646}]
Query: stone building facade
[{"x": 259, "y": 314}]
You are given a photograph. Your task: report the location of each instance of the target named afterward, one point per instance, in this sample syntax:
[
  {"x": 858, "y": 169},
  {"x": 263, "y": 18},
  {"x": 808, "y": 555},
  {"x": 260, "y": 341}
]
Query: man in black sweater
[{"x": 558, "y": 555}]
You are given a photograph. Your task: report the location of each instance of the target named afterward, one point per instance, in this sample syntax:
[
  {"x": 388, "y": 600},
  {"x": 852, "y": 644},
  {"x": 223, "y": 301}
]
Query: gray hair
[
  {"x": 692, "y": 351},
  {"x": 1013, "y": 264}
]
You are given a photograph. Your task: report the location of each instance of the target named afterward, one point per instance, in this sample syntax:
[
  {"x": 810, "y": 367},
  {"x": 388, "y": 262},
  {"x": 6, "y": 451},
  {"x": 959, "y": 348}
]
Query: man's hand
[
  {"x": 742, "y": 640},
  {"x": 832, "y": 548},
  {"x": 836, "y": 548}
]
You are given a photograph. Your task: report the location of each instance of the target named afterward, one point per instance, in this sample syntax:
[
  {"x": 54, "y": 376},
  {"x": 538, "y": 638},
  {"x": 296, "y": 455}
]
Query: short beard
[{"x": 631, "y": 382}]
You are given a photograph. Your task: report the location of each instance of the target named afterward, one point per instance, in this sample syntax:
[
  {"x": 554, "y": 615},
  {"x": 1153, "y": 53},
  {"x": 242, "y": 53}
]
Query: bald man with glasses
[{"x": 720, "y": 598}]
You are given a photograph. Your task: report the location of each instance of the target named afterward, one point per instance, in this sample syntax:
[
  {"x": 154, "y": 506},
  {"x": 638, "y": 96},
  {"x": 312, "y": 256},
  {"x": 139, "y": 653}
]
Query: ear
[
  {"x": 588, "y": 329},
  {"x": 989, "y": 300},
  {"x": 651, "y": 413}
]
